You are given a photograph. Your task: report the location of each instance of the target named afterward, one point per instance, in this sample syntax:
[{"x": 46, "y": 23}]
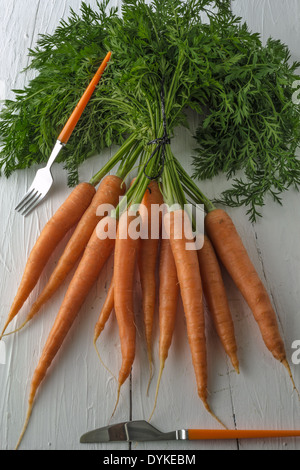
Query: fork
[{"x": 43, "y": 179}]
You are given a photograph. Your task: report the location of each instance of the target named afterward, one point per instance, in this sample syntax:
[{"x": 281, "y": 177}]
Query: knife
[{"x": 142, "y": 431}]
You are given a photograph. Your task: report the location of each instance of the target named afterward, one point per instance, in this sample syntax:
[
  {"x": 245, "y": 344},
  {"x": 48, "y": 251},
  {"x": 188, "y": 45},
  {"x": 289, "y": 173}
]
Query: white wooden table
[{"x": 78, "y": 394}]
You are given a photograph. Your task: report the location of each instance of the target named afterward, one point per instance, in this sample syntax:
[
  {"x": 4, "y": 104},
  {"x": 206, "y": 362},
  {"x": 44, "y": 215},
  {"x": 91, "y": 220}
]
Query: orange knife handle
[
  {"x": 75, "y": 116},
  {"x": 201, "y": 434}
]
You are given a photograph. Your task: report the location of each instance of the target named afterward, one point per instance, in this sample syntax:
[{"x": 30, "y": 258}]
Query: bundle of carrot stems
[{"x": 194, "y": 274}]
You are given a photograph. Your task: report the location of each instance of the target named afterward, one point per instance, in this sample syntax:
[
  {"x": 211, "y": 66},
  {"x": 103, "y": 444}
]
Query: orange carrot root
[
  {"x": 213, "y": 414},
  {"x": 287, "y": 366},
  {"x": 29, "y": 411},
  {"x": 216, "y": 297},
  {"x": 17, "y": 329},
  {"x": 147, "y": 260},
  {"x": 52, "y": 234},
  {"x": 179, "y": 227},
  {"x": 168, "y": 300},
  {"x": 233, "y": 255},
  {"x": 151, "y": 372},
  {"x": 95, "y": 256},
  {"x": 105, "y": 312},
  {"x": 125, "y": 259},
  {"x": 109, "y": 191},
  {"x": 161, "y": 368},
  {"x": 117, "y": 401},
  {"x": 104, "y": 365}
]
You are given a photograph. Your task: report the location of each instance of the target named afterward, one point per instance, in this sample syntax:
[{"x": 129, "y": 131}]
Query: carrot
[
  {"x": 103, "y": 318},
  {"x": 126, "y": 249},
  {"x": 168, "y": 300},
  {"x": 107, "y": 306},
  {"x": 109, "y": 191},
  {"x": 105, "y": 312},
  {"x": 188, "y": 272},
  {"x": 95, "y": 255},
  {"x": 147, "y": 260},
  {"x": 229, "y": 246},
  {"x": 215, "y": 295},
  {"x": 56, "y": 228}
]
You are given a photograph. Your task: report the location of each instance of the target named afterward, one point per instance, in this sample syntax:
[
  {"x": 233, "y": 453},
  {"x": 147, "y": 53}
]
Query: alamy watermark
[
  {"x": 296, "y": 353},
  {"x": 296, "y": 94},
  {"x": 188, "y": 223}
]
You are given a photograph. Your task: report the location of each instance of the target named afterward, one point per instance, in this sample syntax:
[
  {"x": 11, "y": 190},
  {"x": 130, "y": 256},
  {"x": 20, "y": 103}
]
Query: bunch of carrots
[{"x": 191, "y": 274}]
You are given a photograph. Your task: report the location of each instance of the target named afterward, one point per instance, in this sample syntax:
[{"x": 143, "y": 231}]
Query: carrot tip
[
  {"x": 25, "y": 425},
  {"x": 17, "y": 329},
  {"x": 100, "y": 359},
  {"x": 3, "y": 331},
  {"x": 151, "y": 373},
  {"x": 117, "y": 401},
  {"x": 236, "y": 367},
  {"x": 162, "y": 365},
  {"x": 287, "y": 366},
  {"x": 213, "y": 414}
]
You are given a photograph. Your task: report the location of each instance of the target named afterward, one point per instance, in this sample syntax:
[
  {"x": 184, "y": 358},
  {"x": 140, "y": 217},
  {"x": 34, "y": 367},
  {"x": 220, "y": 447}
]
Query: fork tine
[
  {"x": 24, "y": 200},
  {"x": 31, "y": 197},
  {"x": 29, "y": 201},
  {"x": 33, "y": 204}
]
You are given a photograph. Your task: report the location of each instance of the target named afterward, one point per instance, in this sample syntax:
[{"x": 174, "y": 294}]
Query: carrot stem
[
  {"x": 137, "y": 190},
  {"x": 129, "y": 161},
  {"x": 192, "y": 188},
  {"x": 95, "y": 180}
]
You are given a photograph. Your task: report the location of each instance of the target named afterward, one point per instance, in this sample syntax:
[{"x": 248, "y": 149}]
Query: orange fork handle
[
  {"x": 201, "y": 434},
  {"x": 75, "y": 116}
]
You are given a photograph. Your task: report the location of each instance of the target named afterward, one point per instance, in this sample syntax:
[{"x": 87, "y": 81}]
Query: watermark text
[{"x": 161, "y": 221}]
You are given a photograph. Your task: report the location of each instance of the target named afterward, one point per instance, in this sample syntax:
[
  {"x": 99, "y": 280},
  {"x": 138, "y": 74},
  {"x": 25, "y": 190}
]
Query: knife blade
[
  {"x": 137, "y": 431},
  {"x": 142, "y": 431}
]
